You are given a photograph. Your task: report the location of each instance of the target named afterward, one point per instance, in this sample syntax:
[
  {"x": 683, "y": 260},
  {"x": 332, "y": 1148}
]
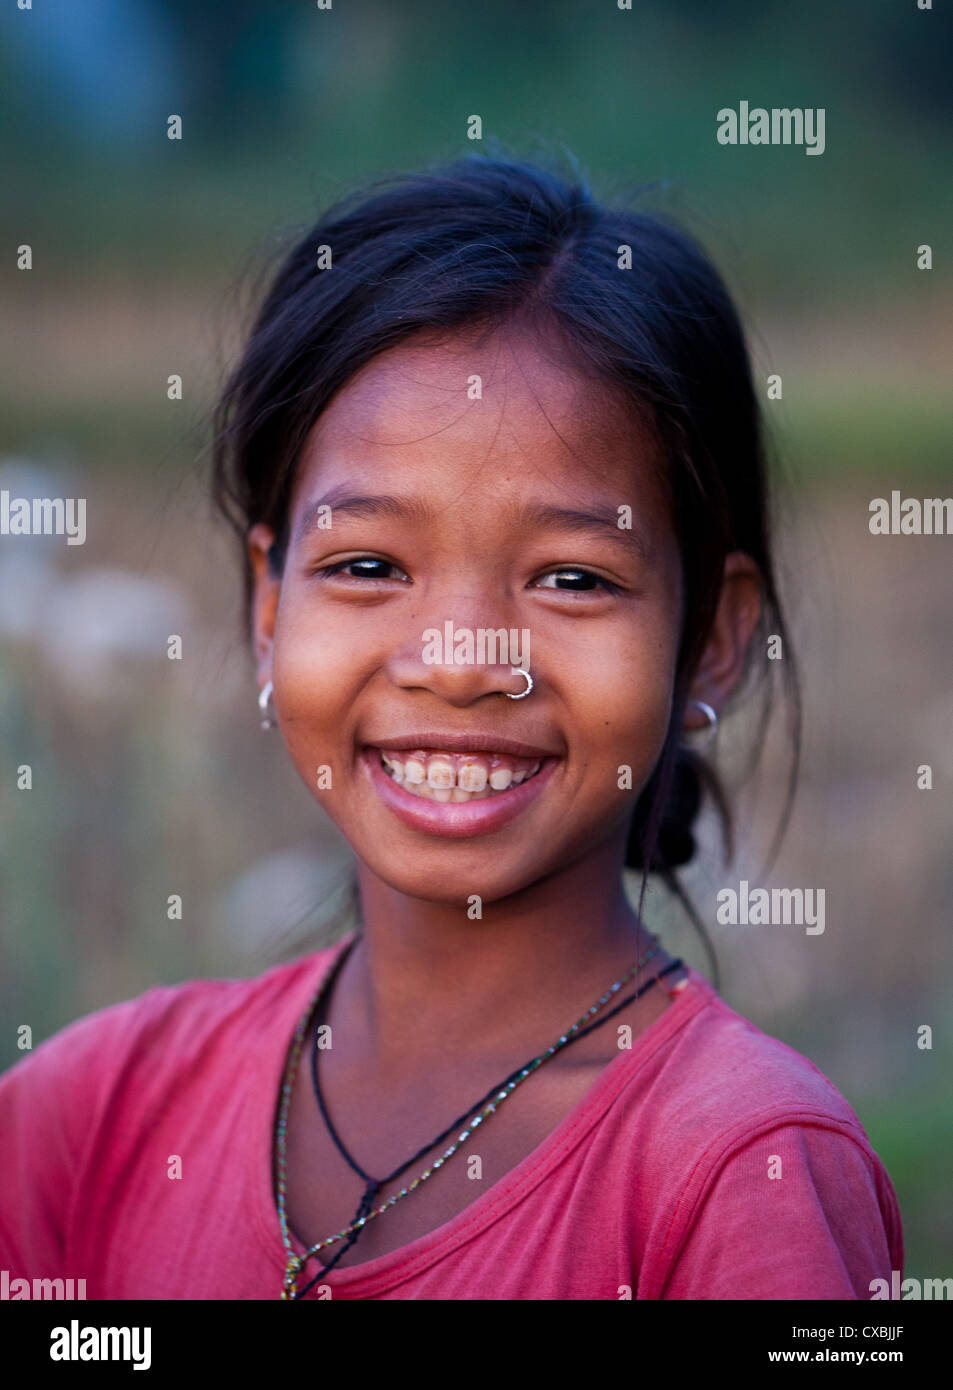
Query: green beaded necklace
[{"x": 490, "y": 1103}]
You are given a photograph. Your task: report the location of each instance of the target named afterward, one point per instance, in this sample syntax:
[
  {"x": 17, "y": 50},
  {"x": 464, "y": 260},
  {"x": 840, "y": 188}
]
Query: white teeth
[
  {"x": 472, "y": 777},
  {"x": 439, "y": 780},
  {"x": 523, "y": 775},
  {"x": 440, "y": 773}
]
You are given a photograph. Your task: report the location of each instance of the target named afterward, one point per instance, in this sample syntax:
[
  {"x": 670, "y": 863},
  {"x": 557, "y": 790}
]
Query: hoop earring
[
  {"x": 712, "y": 716},
  {"x": 264, "y": 696},
  {"x": 519, "y": 671}
]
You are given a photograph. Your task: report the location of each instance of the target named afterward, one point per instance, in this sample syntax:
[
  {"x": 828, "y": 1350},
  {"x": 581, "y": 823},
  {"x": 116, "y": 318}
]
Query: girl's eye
[
  {"x": 577, "y": 581},
  {"x": 365, "y": 567}
]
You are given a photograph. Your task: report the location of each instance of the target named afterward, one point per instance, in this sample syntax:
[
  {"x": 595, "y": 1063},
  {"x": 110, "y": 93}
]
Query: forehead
[{"x": 495, "y": 412}]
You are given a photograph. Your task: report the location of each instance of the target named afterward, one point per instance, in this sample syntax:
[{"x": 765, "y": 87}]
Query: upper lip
[{"x": 461, "y": 743}]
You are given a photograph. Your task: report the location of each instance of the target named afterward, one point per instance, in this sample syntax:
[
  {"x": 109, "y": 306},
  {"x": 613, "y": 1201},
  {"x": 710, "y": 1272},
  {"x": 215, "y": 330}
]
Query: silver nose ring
[{"x": 519, "y": 671}]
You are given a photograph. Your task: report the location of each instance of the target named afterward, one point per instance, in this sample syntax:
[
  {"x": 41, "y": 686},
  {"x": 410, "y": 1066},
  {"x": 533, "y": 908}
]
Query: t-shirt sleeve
[
  {"x": 49, "y": 1102},
  {"x": 803, "y": 1211}
]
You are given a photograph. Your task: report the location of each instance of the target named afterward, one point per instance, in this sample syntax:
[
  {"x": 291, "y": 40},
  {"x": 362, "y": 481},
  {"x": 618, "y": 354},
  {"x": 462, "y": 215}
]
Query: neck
[{"x": 425, "y": 979}]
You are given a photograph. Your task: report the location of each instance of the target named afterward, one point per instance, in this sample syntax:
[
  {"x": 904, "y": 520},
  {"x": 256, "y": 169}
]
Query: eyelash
[{"x": 342, "y": 565}]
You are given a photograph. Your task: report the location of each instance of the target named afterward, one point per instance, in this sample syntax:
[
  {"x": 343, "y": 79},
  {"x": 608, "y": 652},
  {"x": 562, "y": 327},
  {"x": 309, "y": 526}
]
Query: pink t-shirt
[{"x": 708, "y": 1161}]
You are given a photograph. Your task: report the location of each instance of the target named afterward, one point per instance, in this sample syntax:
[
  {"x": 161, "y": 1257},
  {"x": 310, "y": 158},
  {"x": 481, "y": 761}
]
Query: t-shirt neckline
[{"x": 387, "y": 1271}]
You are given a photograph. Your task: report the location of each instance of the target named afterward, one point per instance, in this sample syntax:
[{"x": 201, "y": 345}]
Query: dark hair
[{"x": 480, "y": 241}]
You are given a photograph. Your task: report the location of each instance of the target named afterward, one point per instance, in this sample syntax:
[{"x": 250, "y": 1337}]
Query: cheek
[
  {"x": 314, "y": 675},
  {"x": 626, "y": 689}
]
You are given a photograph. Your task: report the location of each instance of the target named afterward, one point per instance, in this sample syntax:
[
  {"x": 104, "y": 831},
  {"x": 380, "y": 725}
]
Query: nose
[{"x": 461, "y": 665}]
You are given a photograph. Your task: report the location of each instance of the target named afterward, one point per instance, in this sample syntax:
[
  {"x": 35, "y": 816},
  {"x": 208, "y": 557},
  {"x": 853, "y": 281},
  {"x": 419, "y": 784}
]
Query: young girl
[{"x": 494, "y": 454}]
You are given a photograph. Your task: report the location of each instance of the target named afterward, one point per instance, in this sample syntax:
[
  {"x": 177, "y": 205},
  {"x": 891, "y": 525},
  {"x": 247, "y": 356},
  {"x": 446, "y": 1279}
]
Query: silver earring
[
  {"x": 712, "y": 716},
  {"x": 519, "y": 671},
  {"x": 263, "y": 697}
]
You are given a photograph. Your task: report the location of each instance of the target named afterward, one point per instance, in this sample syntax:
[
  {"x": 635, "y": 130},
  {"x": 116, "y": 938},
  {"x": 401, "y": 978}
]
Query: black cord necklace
[{"x": 374, "y": 1185}]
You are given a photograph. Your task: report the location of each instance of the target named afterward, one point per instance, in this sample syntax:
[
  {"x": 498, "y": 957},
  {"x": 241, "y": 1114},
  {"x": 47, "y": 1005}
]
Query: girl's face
[{"x": 477, "y": 486}]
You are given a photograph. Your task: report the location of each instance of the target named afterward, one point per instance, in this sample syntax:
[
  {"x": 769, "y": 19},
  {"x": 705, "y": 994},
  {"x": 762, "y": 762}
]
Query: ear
[
  {"x": 722, "y": 663},
  {"x": 267, "y": 588}
]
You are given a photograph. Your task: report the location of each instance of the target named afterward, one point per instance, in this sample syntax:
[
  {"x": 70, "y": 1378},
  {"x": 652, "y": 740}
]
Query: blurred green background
[{"x": 151, "y": 777}]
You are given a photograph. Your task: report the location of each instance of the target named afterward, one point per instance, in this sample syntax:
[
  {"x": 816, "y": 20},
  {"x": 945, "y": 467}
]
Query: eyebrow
[
  {"x": 601, "y": 523},
  {"x": 362, "y": 508}
]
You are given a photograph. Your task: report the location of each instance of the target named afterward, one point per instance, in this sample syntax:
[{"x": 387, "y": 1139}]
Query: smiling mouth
[{"x": 453, "y": 777}]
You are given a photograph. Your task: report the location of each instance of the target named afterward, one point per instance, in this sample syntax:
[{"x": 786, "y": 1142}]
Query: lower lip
[{"x": 456, "y": 819}]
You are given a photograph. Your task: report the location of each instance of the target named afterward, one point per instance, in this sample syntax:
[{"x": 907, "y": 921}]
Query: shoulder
[
  {"x": 726, "y": 1077},
  {"x": 79, "y": 1112},
  {"x": 762, "y": 1176},
  {"x": 180, "y": 1020}
]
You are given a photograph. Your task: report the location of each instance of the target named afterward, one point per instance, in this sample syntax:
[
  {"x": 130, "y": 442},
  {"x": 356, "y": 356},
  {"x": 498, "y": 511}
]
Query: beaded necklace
[{"x": 487, "y": 1106}]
